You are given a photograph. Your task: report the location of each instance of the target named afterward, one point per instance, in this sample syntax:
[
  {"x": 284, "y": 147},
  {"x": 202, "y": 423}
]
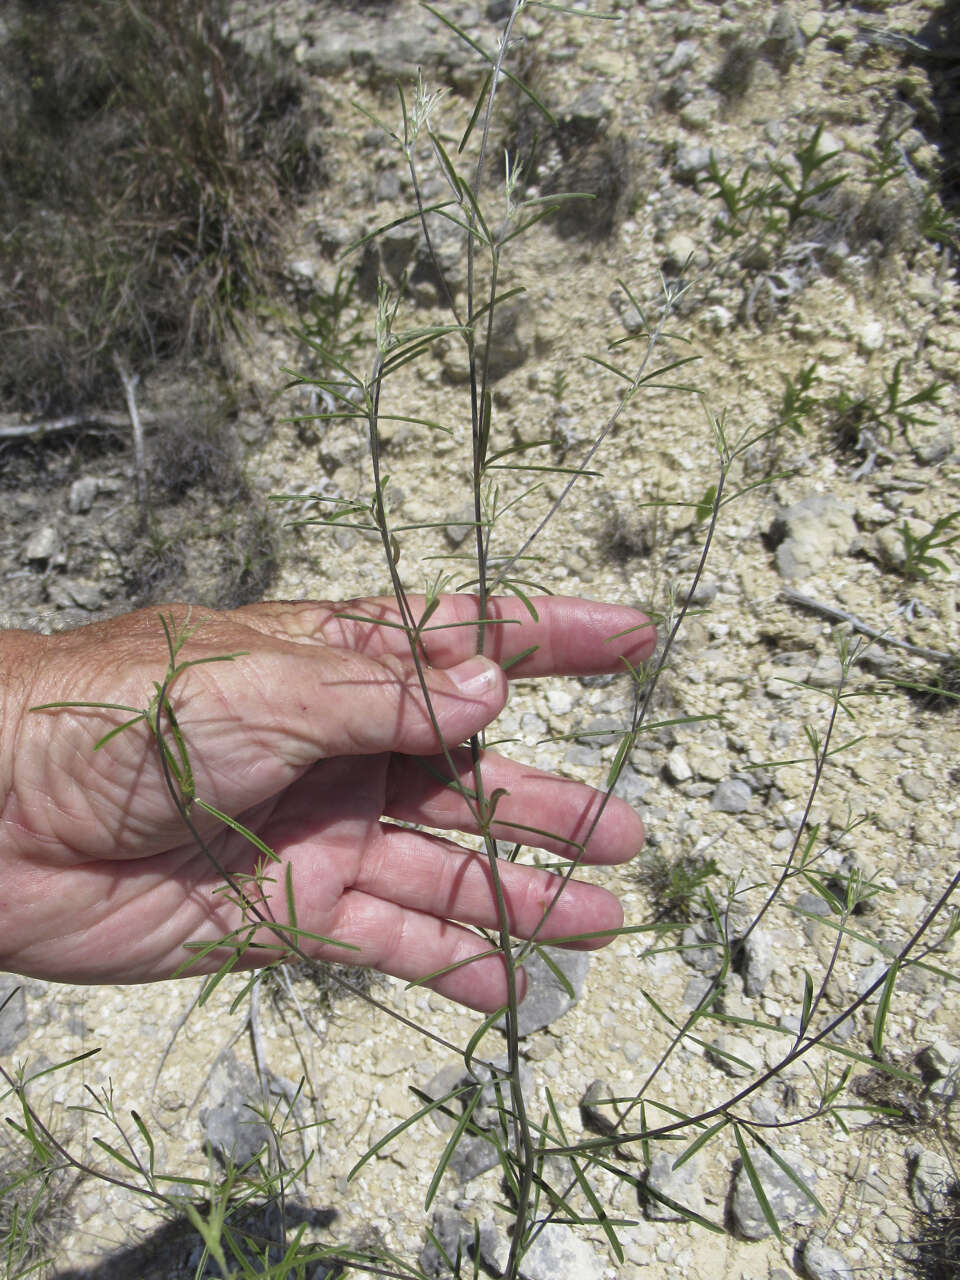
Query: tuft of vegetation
[
  {"x": 865, "y": 423},
  {"x": 146, "y": 164},
  {"x": 936, "y": 1250},
  {"x": 35, "y": 1194},
  {"x": 676, "y": 885},
  {"x": 919, "y": 561}
]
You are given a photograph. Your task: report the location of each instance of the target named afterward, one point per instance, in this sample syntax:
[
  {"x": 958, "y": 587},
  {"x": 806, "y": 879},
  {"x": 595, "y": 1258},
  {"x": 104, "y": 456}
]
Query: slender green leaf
[
  {"x": 471, "y": 124},
  {"x": 452, "y": 1144},
  {"x": 883, "y": 1008},
  {"x": 699, "y": 1141},
  {"x": 237, "y": 826},
  {"x": 404, "y": 1125},
  {"x": 757, "y": 1185},
  {"x": 119, "y": 1156},
  {"x": 518, "y": 657},
  {"x": 791, "y": 1173},
  {"x": 807, "y": 1009},
  {"x": 145, "y": 1134}
]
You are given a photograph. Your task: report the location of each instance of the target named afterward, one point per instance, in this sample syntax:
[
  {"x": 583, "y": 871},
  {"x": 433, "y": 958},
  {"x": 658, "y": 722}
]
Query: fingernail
[{"x": 476, "y": 677}]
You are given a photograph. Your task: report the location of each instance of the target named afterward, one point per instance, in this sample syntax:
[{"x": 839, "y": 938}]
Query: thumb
[
  {"x": 386, "y": 704},
  {"x": 304, "y": 704}
]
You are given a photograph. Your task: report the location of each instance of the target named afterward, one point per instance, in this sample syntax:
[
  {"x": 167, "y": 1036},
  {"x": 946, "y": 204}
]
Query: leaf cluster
[
  {"x": 766, "y": 211},
  {"x": 919, "y": 560},
  {"x": 864, "y": 421}
]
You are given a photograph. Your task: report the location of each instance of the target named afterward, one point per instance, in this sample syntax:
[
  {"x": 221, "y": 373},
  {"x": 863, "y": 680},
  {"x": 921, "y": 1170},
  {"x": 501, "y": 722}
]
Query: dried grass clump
[{"x": 146, "y": 164}]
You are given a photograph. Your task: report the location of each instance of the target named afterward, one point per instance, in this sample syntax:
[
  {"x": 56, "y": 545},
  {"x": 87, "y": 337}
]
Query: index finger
[{"x": 568, "y": 636}]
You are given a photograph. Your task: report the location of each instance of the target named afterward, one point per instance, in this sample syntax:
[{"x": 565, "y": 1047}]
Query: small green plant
[
  {"x": 866, "y": 423},
  {"x": 35, "y": 1194},
  {"x": 677, "y": 884},
  {"x": 884, "y": 164},
  {"x": 797, "y": 403},
  {"x": 936, "y": 224},
  {"x": 801, "y": 193},
  {"x": 332, "y": 326},
  {"x": 767, "y": 212},
  {"x": 919, "y": 562},
  {"x": 558, "y": 385}
]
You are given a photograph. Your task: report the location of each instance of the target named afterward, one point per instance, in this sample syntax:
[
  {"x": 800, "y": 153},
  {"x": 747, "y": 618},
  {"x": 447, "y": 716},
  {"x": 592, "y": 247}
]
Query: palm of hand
[{"x": 285, "y": 740}]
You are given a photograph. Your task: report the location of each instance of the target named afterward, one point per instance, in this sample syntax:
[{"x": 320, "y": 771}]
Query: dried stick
[
  {"x": 840, "y": 615},
  {"x": 130, "y": 380},
  {"x": 93, "y": 420}
]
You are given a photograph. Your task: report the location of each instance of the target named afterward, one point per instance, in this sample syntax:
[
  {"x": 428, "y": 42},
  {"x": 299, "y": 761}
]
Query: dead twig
[
  {"x": 15, "y": 430},
  {"x": 130, "y": 380},
  {"x": 857, "y": 624}
]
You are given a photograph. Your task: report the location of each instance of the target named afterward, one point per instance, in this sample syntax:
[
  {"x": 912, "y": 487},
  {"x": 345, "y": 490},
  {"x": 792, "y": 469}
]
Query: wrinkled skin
[{"x": 317, "y": 738}]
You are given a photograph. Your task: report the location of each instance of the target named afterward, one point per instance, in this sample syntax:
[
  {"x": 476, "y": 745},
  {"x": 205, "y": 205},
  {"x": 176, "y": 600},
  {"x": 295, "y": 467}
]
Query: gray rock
[
  {"x": 764, "y": 1109},
  {"x": 811, "y": 904},
  {"x": 690, "y": 162},
  {"x": 386, "y": 50},
  {"x": 583, "y": 757},
  {"x": 461, "y": 526},
  {"x": 510, "y": 339},
  {"x": 676, "y": 767},
  {"x": 42, "y": 545},
  {"x": 704, "y": 592},
  {"x": 682, "y": 1186},
  {"x": 701, "y": 946},
  {"x": 785, "y": 42},
  {"x": 632, "y": 786},
  {"x": 870, "y": 975},
  {"x": 736, "y": 1056},
  {"x": 13, "y": 1018},
  {"x": 696, "y": 991},
  {"x": 494, "y": 1248},
  {"x": 547, "y": 998},
  {"x": 757, "y": 962},
  {"x": 939, "y": 1064},
  {"x": 731, "y": 796},
  {"x": 810, "y": 533},
  {"x": 452, "y": 1237},
  {"x": 679, "y": 251},
  {"x": 932, "y": 441},
  {"x": 557, "y": 1253},
  {"x": 844, "y": 1029},
  {"x": 229, "y": 1122},
  {"x": 389, "y": 255},
  {"x": 591, "y": 110},
  {"x": 447, "y": 1079},
  {"x": 473, "y": 1155},
  {"x": 932, "y": 1182},
  {"x": 787, "y": 1201},
  {"x": 486, "y": 1112},
  {"x": 820, "y": 1262},
  {"x": 599, "y": 1117},
  {"x": 83, "y": 491},
  {"x": 70, "y": 592},
  {"x": 681, "y": 57}
]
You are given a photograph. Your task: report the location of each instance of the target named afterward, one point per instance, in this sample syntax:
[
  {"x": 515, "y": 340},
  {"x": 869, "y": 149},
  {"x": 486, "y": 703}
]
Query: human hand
[{"x": 314, "y": 737}]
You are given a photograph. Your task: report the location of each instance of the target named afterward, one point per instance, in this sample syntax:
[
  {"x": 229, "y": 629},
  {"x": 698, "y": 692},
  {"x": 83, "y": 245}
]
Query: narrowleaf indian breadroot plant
[{"x": 517, "y": 492}]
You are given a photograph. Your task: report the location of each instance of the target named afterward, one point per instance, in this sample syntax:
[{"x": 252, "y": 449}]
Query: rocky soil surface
[{"x": 826, "y": 331}]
